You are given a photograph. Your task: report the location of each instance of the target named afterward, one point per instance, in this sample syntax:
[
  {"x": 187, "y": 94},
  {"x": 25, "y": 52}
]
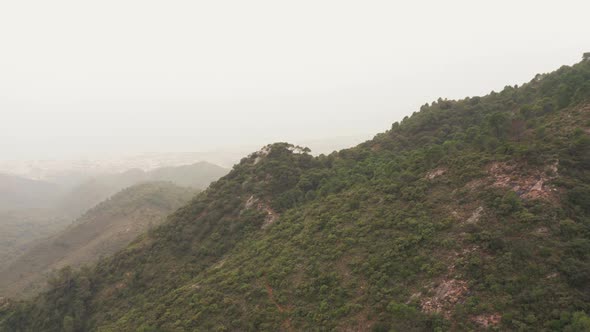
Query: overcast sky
[{"x": 80, "y": 78}]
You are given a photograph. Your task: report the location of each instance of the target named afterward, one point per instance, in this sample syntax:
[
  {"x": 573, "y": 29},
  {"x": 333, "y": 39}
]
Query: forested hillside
[
  {"x": 468, "y": 215},
  {"x": 100, "y": 232}
]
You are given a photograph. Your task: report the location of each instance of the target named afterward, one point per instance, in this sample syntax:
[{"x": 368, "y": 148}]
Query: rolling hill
[
  {"x": 95, "y": 190},
  {"x": 469, "y": 215},
  {"x": 31, "y": 210},
  {"x": 100, "y": 232}
]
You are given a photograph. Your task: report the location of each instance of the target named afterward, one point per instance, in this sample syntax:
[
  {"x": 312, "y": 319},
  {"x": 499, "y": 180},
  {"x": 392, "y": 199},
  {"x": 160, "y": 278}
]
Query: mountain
[
  {"x": 93, "y": 191},
  {"x": 31, "y": 210},
  {"x": 469, "y": 215},
  {"x": 197, "y": 175},
  {"x": 70, "y": 172},
  {"x": 18, "y": 193},
  {"x": 101, "y": 231}
]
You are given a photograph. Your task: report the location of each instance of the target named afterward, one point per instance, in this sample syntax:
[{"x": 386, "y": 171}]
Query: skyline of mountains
[{"x": 72, "y": 171}]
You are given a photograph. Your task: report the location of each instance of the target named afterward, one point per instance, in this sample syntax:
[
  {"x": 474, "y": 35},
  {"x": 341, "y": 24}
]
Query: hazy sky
[{"x": 94, "y": 77}]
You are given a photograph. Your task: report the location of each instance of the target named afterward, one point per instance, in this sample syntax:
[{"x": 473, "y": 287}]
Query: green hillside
[
  {"x": 469, "y": 215},
  {"x": 100, "y": 232}
]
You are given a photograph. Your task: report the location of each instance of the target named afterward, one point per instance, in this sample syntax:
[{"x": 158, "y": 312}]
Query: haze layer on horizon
[{"x": 81, "y": 78}]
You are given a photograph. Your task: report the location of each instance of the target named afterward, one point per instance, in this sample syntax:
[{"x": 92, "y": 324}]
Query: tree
[
  {"x": 498, "y": 122},
  {"x": 517, "y": 128},
  {"x": 68, "y": 324},
  {"x": 580, "y": 322}
]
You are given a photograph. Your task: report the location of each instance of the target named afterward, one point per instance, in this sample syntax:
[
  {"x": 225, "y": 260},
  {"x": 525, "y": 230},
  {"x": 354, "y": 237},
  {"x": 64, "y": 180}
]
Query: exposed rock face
[
  {"x": 445, "y": 296},
  {"x": 450, "y": 291},
  {"x": 271, "y": 215},
  {"x": 261, "y": 154},
  {"x": 475, "y": 216},
  {"x": 436, "y": 173},
  {"x": 488, "y": 320},
  {"x": 528, "y": 183},
  {"x": 251, "y": 202}
]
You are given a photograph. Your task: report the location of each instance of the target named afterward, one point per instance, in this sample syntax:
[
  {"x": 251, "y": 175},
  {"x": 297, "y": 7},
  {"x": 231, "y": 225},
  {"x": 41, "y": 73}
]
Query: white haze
[{"x": 90, "y": 78}]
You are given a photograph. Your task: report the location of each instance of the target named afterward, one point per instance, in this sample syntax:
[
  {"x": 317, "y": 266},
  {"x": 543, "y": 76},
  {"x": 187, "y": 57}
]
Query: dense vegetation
[
  {"x": 100, "y": 232},
  {"x": 468, "y": 215}
]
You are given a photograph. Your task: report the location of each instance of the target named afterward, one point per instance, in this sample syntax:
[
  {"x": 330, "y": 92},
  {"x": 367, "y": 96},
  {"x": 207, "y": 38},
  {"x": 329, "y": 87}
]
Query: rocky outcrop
[{"x": 260, "y": 205}]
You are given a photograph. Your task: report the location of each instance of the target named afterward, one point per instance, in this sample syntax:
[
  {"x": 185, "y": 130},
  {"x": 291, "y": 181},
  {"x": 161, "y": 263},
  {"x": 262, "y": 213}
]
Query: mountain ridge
[{"x": 95, "y": 190}]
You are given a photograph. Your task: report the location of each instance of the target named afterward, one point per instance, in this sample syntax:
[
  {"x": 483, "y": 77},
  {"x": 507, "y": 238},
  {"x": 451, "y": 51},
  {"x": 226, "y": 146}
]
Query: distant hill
[
  {"x": 31, "y": 210},
  {"x": 101, "y": 231},
  {"x": 468, "y": 215},
  {"x": 198, "y": 175},
  {"x": 21, "y": 193},
  {"x": 26, "y": 213},
  {"x": 20, "y": 228},
  {"x": 91, "y": 192},
  {"x": 71, "y": 172}
]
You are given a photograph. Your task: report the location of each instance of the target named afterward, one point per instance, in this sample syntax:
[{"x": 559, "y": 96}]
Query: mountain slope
[
  {"x": 468, "y": 215},
  {"x": 103, "y": 230},
  {"x": 32, "y": 210},
  {"x": 19, "y": 229},
  {"x": 26, "y": 213},
  {"x": 91, "y": 192}
]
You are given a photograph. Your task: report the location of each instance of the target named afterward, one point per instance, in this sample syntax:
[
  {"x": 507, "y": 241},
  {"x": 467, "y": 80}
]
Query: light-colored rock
[
  {"x": 475, "y": 215},
  {"x": 436, "y": 173}
]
